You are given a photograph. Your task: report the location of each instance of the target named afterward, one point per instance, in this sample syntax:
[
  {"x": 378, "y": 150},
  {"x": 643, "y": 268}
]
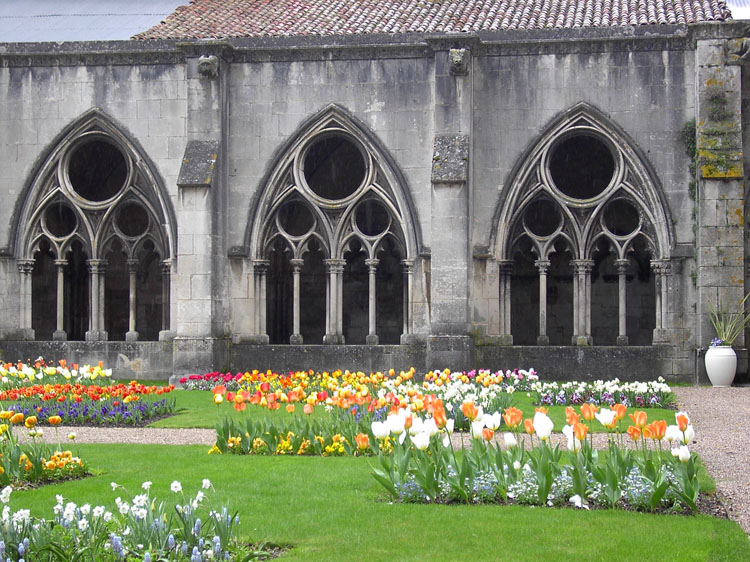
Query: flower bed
[
  {"x": 427, "y": 469},
  {"x": 139, "y": 527},
  {"x": 19, "y": 374},
  {"x": 607, "y": 393},
  {"x": 33, "y": 462},
  {"x": 79, "y": 404}
]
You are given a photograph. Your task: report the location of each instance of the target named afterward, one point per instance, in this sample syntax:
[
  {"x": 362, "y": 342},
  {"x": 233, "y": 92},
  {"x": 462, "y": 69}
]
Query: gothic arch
[
  {"x": 333, "y": 189},
  {"x": 633, "y": 175},
  {"x": 95, "y": 192},
  {"x": 583, "y": 183}
]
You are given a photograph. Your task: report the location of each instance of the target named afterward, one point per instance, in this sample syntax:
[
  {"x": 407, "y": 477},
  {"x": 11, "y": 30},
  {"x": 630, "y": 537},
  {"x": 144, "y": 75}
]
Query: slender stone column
[
  {"x": 582, "y": 302},
  {"x": 334, "y": 322},
  {"x": 622, "y": 270},
  {"x": 261, "y": 272},
  {"x": 131, "y": 334},
  {"x": 505, "y": 272},
  {"x": 372, "y": 269},
  {"x": 166, "y": 272},
  {"x": 296, "y": 337},
  {"x": 407, "y": 268},
  {"x": 60, "y": 334},
  {"x": 543, "y": 267},
  {"x": 26, "y": 268},
  {"x": 661, "y": 269},
  {"x": 95, "y": 332},
  {"x": 102, "y": 302}
]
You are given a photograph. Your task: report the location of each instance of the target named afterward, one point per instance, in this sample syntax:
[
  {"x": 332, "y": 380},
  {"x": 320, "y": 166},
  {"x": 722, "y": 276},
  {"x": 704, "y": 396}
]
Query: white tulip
[
  {"x": 421, "y": 440},
  {"x": 543, "y": 426},
  {"x": 510, "y": 440},
  {"x": 380, "y": 430}
]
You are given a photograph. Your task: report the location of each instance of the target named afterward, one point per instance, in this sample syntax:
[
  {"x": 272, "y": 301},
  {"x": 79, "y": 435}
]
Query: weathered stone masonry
[{"x": 495, "y": 200}]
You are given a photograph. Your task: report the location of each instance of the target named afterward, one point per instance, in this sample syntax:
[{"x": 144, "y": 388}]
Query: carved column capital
[
  {"x": 542, "y": 265},
  {"x": 26, "y": 267}
]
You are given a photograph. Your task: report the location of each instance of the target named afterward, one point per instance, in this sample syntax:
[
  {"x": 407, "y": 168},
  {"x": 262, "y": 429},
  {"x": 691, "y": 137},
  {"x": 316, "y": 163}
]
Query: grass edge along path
[{"x": 332, "y": 509}]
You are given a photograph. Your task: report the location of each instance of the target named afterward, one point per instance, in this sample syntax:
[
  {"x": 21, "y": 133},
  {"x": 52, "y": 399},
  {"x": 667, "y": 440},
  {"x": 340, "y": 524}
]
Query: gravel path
[{"x": 720, "y": 416}]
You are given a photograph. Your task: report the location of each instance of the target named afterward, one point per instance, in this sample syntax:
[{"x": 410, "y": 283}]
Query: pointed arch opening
[
  {"x": 342, "y": 210},
  {"x": 583, "y": 234},
  {"x": 98, "y": 206}
]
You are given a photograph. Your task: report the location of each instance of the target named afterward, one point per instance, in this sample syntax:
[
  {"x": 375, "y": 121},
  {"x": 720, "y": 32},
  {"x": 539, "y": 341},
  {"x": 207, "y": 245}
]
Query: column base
[
  {"x": 100, "y": 335},
  {"x": 622, "y": 340},
  {"x": 661, "y": 337},
  {"x": 371, "y": 339},
  {"x": 59, "y": 335},
  {"x": 582, "y": 341},
  {"x": 333, "y": 339},
  {"x": 256, "y": 339},
  {"x": 296, "y": 339},
  {"x": 131, "y": 336},
  {"x": 411, "y": 339},
  {"x": 166, "y": 335},
  {"x": 542, "y": 340}
]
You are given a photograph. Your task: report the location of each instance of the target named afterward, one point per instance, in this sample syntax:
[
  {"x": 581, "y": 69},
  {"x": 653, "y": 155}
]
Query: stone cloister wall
[{"x": 451, "y": 117}]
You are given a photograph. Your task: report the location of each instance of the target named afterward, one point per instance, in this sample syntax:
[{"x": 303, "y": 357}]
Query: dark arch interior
[
  {"x": 97, "y": 170},
  {"x": 334, "y": 167},
  {"x": 581, "y": 166}
]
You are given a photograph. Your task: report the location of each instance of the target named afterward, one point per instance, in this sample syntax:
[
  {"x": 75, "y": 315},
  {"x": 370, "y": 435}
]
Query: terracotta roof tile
[{"x": 206, "y": 19}]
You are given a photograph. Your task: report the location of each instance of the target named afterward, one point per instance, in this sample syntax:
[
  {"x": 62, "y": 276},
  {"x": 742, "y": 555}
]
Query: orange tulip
[
  {"x": 580, "y": 430},
  {"x": 528, "y": 426},
  {"x": 470, "y": 411},
  {"x": 620, "y": 411},
  {"x": 541, "y": 410},
  {"x": 441, "y": 419},
  {"x": 512, "y": 417},
  {"x": 571, "y": 418},
  {"x": 639, "y": 418},
  {"x": 682, "y": 420},
  {"x": 16, "y": 418},
  {"x": 657, "y": 430},
  {"x": 30, "y": 422},
  {"x": 290, "y": 408},
  {"x": 487, "y": 434},
  {"x": 239, "y": 406},
  {"x": 634, "y": 432},
  {"x": 54, "y": 420},
  {"x": 588, "y": 411},
  {"x": 220, "y": 389},
  {"x": 362, "y": 440},
  {"x": 308, "y": 409}
]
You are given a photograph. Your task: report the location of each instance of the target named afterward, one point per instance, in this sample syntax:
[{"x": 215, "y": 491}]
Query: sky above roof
[{"x": 80, "y": 20}]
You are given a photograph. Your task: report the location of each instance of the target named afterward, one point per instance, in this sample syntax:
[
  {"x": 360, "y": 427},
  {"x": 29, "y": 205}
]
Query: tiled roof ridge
[{"x": 217, "y": 19}]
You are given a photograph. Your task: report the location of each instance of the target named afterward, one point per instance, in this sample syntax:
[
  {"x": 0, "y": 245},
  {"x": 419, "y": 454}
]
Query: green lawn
[
  {"x": 332, "y": 509},
  {"x": 196, "y": 409}
]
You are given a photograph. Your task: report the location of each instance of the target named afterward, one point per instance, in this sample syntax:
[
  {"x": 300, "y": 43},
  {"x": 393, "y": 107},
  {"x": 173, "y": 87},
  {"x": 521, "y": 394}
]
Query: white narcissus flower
[
  {"x": 510, "y": 440},
  {"x": 206, "y": 484},
  {"x": 146, "y": 485},
  {"x": 543, "y": 426},
  {"x": 176, "y": 487}
]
